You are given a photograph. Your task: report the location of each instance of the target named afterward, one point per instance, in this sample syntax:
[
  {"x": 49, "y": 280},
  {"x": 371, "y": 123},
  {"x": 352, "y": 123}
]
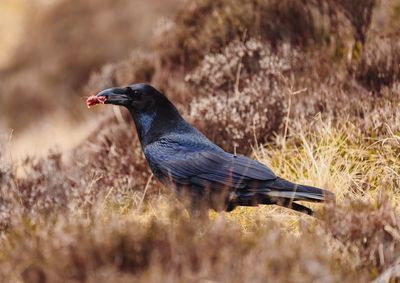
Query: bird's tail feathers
[
  {"x": 284, "y": 193},
  {"x": 283, "y": 189}
]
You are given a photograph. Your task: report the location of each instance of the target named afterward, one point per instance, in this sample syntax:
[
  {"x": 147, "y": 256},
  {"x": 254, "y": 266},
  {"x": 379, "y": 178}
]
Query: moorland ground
[{"x": 310, "y": 88}]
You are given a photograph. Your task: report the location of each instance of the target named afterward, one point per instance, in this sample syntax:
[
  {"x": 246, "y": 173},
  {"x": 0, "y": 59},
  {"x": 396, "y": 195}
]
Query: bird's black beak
[{"x": 115, "y": 95}]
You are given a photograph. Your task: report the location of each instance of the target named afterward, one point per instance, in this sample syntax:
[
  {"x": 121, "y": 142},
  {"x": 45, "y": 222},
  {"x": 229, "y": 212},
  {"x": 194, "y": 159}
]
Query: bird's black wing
[
  {"x": 194, "y": 165},
  {"x": 206, "y": 167}
]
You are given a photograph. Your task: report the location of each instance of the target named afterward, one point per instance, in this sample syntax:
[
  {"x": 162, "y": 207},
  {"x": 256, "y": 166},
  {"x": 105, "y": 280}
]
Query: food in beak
[{"x": 94, "y": 100}]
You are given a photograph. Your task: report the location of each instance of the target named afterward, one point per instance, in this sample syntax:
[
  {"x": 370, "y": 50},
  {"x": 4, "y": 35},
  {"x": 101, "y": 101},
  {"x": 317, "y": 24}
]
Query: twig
[
  {"x": 238, "y": 77},
  {"x": 291, "y": 93},
  {"x": 389, "y": 274},
  {"x": 145, "y": 191}
]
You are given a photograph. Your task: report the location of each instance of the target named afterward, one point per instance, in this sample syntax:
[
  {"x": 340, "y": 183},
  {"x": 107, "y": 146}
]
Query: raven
[{"x": 198, "y": 170}]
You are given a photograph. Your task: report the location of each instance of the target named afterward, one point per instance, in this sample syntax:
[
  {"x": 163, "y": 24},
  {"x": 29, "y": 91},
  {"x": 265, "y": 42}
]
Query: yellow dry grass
[
  {"x": 357, "y": 168},
  {"x": 99, "y": 217}
]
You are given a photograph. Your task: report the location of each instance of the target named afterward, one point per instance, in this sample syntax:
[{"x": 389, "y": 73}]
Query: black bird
[{"x": 183, "y": 159}]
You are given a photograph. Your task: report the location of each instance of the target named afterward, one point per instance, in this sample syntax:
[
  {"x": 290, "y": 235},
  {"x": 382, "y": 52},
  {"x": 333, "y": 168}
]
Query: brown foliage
[
  {"x": 359, "y": 13},
  {"x": 173, "y": 250},
  {"x": 112, "y": 152},
  {"x": 242, "y": 64},
  {"x": 240, "y": 86},
  {"x": 109, "y": 158},
  {"x": 371, "y": 232},
  {"x": 379, "y": 65},
  {"x": 206, "y": 26}
]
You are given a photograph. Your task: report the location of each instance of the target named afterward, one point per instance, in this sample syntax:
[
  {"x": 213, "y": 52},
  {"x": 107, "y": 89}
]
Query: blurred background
[{"x": 48, "y": 49}]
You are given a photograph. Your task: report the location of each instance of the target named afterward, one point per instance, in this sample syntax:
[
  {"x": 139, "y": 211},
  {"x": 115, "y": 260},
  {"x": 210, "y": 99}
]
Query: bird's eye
[{"x": 131, "y": 91}]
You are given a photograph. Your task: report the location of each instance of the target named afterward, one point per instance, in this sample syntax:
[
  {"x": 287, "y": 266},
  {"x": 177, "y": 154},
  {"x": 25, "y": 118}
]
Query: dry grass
[
  {"x": 313, "y": 105},
  {"x": 113, "y": 235}
]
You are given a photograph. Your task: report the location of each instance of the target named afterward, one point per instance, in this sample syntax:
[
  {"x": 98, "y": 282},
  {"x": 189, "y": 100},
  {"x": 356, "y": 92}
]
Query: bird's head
[
  {"x": 152, "y": 112},
  {"x": 136, "y": 97}
]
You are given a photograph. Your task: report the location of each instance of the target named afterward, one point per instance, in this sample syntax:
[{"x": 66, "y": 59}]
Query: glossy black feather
[
  {"x": 190, "y": 164},
  {"x": 184, "y": 159}
]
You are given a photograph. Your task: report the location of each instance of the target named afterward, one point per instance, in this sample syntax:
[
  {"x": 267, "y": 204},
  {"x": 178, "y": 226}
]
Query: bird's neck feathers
[{"x": 156, "y": 122}]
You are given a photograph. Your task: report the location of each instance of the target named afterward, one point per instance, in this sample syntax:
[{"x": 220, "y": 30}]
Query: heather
[{"x": 310, "y": 88}]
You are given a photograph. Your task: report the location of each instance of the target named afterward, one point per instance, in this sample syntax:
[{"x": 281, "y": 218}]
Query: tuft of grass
[{"x": 339, "y": 159}]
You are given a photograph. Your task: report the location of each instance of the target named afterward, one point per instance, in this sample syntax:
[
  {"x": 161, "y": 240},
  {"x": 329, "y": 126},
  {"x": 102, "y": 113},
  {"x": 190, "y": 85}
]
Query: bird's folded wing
[{"x": 215, "y": 169}]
